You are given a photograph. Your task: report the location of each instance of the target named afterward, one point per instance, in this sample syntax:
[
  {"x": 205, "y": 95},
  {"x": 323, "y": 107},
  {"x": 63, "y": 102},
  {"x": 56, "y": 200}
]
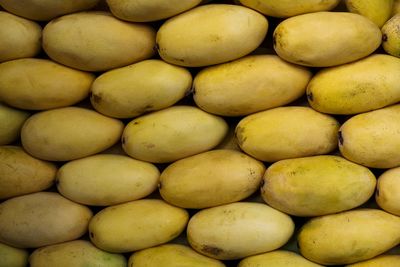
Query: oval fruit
[
  {"x": 33, "y": 83},
  {"x": 138, "y": 88},
  {"x": 248, "y": 85},
  {"x": 172, "y": 133},
  {"x": 316, "y": 186},
  {"x": 97, "y": 41},
  {"x": 13, "y": 257},
  {"x": 69, "y": 133},
  {"x": 349, "y": 236},
  {"x": 144, "y": 11},
  {"x": 106, "y": 179},
  {"x": 391, "y": 35},
  {"x": 19, "y": 37},
  {"x": 388, "y": 191},
  {"x": 171, "y": 255},
  {"x": 380, "y": 261},
  {"x": 340, "y": 38},
  {"x": 136, "y": 225},
  {"x": 371, "y": 139},
  {"x": 277, "y": 258},
  {"x": 238, "y": 230},
  {"x": 378, "y": 11},
  {"x": 287, "y": 132},
  {"x": 20, "y": 173},
  {"x": 210, "y": 179},
  {"x": 357, "y": 87},
  {"x": 75, "y": 253},
  {"x": 210, "y": 34},
  {"x": 11, "y": 123},
  {"x": 41, "y": 219}
]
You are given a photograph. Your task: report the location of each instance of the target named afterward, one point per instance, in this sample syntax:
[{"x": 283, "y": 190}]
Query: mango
[
  {"x": 69, "y": 133},
  {"x": 349, "y": 236},
  {"x": 378, "y": 11},
  {"x": 12, "y": 120},
  {"x": 287, "y": 132},
  {"x": 380, "y": 261},
  {"x": 41, "y": 219},
  {"x": 341, "y": 37},
  {"x": 277, "y": 258},
  {"x": 391, "y": 36},
  {"x": 210, "y": 34},
  {"x": 13, "y": 257},
  {"x": 38, "y": 84},
  {"x": 211, "y": 178},
  {"x": 238, "y": 230},
  {"x": 172, "y": 133},
  {"x": 249, "y": 84},
  {"x": 388, "y": 191}
]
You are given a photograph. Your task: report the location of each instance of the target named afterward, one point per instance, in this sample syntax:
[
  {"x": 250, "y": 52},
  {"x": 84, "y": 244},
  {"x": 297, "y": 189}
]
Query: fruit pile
[{"x": 247, "y": 133}]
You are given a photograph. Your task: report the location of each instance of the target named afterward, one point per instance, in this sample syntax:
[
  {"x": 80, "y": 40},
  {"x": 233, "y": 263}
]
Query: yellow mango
[
  {"x": 13, "y": 257},
  {"x": 277, "y": 258},
  {"x": 391, "y": 36},
  {"x": 11, "y": 123},
  {"x": 388, "y": 191},
  {"x": 378, "y": 11},
  {"x": 380, "y": 261}
]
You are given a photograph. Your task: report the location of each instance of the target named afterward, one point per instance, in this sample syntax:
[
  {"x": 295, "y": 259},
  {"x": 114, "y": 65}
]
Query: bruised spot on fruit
[
  {"x": 159, "y": 185},
  {"x": 95, "y": 98},
  {"x": 91, "y": 234},
  {"x": 384, "y": 38},
  {"x": 135, "y": 123},
  {"x": 340, "y": 137},
  {"x": 310, "y": 96},
  {"x": 212, "y": 250}
]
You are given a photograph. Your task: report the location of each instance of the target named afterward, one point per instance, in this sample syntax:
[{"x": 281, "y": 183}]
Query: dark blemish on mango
[
  {"x": 91, "y": 234},
  {"x": 340, "y": 137},
  {"x": 123, "y": 140},
  {"x": 310, "y": 96},
  {"x": 212, "y": 250},
  {"x": 95, "y": 98},
  {"x": 135, "y": 123},
  {"x": 159, "y": 185},
  {"x": 384, "y": 38}
]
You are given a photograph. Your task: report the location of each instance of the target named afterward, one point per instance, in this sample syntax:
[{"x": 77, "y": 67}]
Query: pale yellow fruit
[
  {"x": 38, "y": 84},
  {"x": 380, "y": 261},
  {"x": 19, "y": 37},
  {"x": 371, "y": 139},
  {"x": 69, "y": 133},
  {"x": 378, "y": 11},
  {"x": 277, "y": 258},
  {"x": 364, "y": 85},
  {"x": 248, "y": 85},
  {"x": 144, "y": 10},
  {"x": 136, "y": 225},
  {"x": 391, "y": 36},
  {"x": 106, "y": 179},
  {"x": 75, "y": 253},
  {"x": 210, "y": 179},
  {"x": 97, "y": 41},
  {"x": 289, "y": 8},
  {"x": 11, "y": 123},
  {"x": 45, "y": 9},
  {"x": 287, "y": 132},
  {"x": 13, "y": 257},
  {"x": 388, "y": 191},
  {"x": 211, "y": 34},
  {"x": 341, "y": 37},
  {"x": 41, "y": 219},
  {"x": 318, "y": 185},
  {"x": 142, "y": 87},
  {"x": 238, "y": 230},
  {"x": 171, "y": 255},
  {"x": 172, "y": 133},
  {"x": 349, "y": 236},
  {"x": 20, "y": 173}
]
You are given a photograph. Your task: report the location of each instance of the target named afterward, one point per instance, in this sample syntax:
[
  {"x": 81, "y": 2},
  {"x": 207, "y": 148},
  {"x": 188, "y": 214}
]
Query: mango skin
[
  {"x": 370, "y": 138},
  {"x": 19, "y": 37},
  {"x": 23, "y": 174},
  {"x": 146, "y": 86},
  {"x": 136, "y": 225},
  {"x": 210, "y": 34},
  {"x": 39, "y": 84},
  {"x": 171, "y": 255},
  {"x": 297, "y": 40},
  {"x": 364, "y": 85},
  {"x": 277, "y": 258},
  {"x": 288, "y": 8},
  {"x": 349, "y": 236},
  {"x": 69, "y": 133},
  {"x": 102, "y": 42},
  {"x": 12, "y": 120},
  {"x": 106, "y": 179},
  {"x": 249, "y": 84},
  {"x": 287, "y": 132},
  {"x": 45, "y": 9},
  {"x": 388, "y": 191},
  {"x": 145, "y": 11},
  {"x": 13, "y": 257},
  {"x": 172, "y": 133},
  {"x": 41, "y": 219},
  {"x": 238, "y": 230},
  {"x": 75, "y": 253},
  {"x": 378, "y": 11},
  {"x": 315, "y": 186},
  {"x": 391, "y": 36},
  {"x": 380, "y": 261},
  {"x": 396, "y": 7},
  {"x": 211, "y": 178}
]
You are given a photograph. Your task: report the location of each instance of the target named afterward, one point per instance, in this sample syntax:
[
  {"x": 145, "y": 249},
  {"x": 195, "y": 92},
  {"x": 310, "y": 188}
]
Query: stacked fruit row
[{"x": 199, "y": 133}]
